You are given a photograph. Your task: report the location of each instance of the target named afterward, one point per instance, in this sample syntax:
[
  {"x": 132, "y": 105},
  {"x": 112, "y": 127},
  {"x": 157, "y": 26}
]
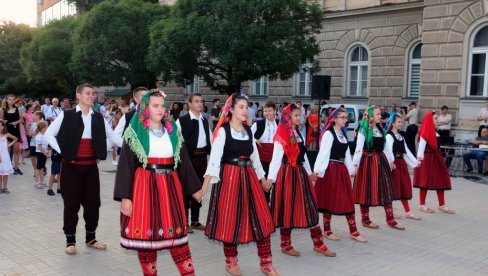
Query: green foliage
[
  {"x": 47, "y": 56},
  {"x": 110, "y": 45},
  {"x": 12, "y": 37},
  {"x": 234, "y": 40}
]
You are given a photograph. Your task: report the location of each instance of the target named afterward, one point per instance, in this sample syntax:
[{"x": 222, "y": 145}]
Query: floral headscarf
[
  {"x": 137, "y": 133},
  {"x": 286, "y": 136},
  {"x": 332, "y": 118},
  {"x": 366, "y": 127}
]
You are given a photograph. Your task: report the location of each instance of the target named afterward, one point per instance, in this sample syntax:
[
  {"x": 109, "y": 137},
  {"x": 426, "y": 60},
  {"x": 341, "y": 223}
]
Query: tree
[
  {"x": 12, "y": 37},
  {"x": 229, "y": 42},
  {"x": 111, "y": 43},
  {"x": 46, "y": 58}
]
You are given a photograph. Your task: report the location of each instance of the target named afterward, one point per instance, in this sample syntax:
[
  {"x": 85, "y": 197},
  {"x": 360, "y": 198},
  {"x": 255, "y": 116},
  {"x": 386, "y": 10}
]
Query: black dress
[{"x": 12, "y": 117}]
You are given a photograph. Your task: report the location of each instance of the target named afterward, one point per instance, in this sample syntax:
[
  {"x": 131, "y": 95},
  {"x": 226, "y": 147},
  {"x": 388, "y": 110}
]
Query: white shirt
[
  {"x": 445, "y": 119},
  {"x": 41, "y": 141},
  {"x": 119, "y": 129},
  {"x": 408, "y": 156},
  {"x": 52, "y": 112},
  {"x": 275, "y": 165},
  {"x": 270, "y": 128},
  {"x": 323, "y": 156},
  {"x": 33, "y": 127},
  {"x": 160, "y": 147},
  {"x": 483, "y": 114},
  {"x": 202, "y": 140},
  {"x": 412, "y": 117},
  {"x": 53, "y": 129},
  {"x": 45, "y": 110},
  {"x": 213, "y": 168},
  {"x": 359, "y": 150}
]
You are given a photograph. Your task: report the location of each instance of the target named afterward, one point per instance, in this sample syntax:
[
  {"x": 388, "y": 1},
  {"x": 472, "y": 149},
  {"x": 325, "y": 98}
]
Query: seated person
[{"x": 479, "y": 155}]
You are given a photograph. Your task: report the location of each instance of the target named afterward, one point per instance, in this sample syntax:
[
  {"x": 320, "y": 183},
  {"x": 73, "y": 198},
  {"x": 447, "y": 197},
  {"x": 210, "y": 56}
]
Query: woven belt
[
  {"x": 340, "y": 160},
  {"x": 160, "y": 169},
  {"x": 241, "y": 162}
]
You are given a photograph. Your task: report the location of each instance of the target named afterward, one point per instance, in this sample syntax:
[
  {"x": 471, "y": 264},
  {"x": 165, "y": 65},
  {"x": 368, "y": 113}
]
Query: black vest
[
  {"x": 236, "y": 148},
  {"x": 128, "y": 117},
  {"x": 260, "y": 128},
  {"x": 301, "y": 147},
  {"x": 190, "y": 132},
  {"x": 71, "y": 130},
  {"x": 338, "y": 150},
  {"x": 398, "y": 146},
  {"x": 378, "y": 142}
]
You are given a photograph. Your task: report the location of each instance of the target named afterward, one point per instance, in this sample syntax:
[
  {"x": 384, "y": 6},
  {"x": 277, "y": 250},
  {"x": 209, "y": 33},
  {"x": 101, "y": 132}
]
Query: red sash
[
  {"x": 265, "y": 151},
  {"x": 85, "y": 153}
]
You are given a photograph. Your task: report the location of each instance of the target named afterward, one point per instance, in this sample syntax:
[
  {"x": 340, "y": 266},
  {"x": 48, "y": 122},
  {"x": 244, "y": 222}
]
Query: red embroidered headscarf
[
  {"x": 286, "y": 137},
  {"x": 427, "y": 130}
]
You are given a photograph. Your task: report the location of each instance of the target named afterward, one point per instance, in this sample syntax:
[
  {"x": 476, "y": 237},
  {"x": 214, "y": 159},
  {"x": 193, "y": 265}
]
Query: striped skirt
[
  {"x": 293, "y": 201},
  {"x": 334, "y": 191},
  {"x": 158, "y": 213},
  {"x": 401, "y": 178},
  {"x": 373, "y": 184},
  {"x": 238, "y": 212}
]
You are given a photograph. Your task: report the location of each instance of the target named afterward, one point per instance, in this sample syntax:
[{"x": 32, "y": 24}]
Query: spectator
[
  {"x": 104, "y": 107},
  {"x": 479, "y": 155},
  {"x": 185, "y": 110},
  {"x": 42, "y": 153},
  {"x": 403, "y": 113},
  {"x": 444, "y": 122},
  {"x": 393, "y": 111},
  {"x": 313, "y": 128},
  {"x": 124, "y": 108},
  {"x": 96, "y": 105},
  {"x": 66, "y": 104},
  {"x": 46, "y": 107},
  {"x": 5, "y": 164},
  {"x": 215, "y": 113},
  {"x": 384, "y": 116},
  {"x": 259, "y": 115},
  {"x": 175, "y": 111},
  {"x": 54, "y": 111},
  {"x": 251, "y": 113},
  {"x": 483, "y": 117},
  {"x": 412, "y": 119},
  {"x": 12, "y": 115}
]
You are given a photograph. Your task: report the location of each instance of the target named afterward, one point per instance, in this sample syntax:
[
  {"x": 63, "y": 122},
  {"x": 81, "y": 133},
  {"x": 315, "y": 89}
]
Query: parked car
[{"x": 354, "y": 113}]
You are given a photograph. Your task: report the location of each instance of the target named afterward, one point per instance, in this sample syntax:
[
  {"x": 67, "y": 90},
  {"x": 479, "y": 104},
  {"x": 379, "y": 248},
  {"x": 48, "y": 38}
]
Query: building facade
[
  {"x": 48, "y": 10},
  {"x": 392, "y": 51}
]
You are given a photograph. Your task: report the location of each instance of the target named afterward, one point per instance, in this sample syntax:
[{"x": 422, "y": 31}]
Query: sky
[{"x": 19, "y": 11}]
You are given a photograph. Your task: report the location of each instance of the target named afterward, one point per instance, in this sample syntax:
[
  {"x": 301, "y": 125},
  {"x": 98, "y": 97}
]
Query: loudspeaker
[{"x": 321, "y": 87}]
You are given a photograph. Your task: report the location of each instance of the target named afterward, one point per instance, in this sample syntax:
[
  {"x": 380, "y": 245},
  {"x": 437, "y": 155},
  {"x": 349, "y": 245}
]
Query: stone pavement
[{"x": 32, "y": 241}]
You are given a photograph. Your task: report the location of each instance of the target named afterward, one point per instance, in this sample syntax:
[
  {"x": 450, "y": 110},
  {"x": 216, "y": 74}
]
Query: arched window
[
  {"x": 358, "y": 72},
  {"x": 478, "y": 71},
  {"x": 414, "y": 71}
]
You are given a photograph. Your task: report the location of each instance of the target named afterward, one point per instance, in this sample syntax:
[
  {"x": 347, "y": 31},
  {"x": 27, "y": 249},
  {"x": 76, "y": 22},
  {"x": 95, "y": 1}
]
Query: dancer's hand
[
  {"x": 266, "y": 184},
  {"x": 258, "y": 143},
  {"x": 392, "y": 166},
  {"x": 126, "y": 207},
  {"x": 313, "y": 177},
  {"x": 198, "y": 196}
]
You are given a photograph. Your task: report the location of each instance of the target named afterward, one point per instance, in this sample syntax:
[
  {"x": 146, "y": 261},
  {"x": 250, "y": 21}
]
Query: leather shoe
[
  {"x": 70, "y": 250},
  {"x": 328, "y": 252},
  {"x": 291, "y": 251},
  {"x": 371, "y": 225}
]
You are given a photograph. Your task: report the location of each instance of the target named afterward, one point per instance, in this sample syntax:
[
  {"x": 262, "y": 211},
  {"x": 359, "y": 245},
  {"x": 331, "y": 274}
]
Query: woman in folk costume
[
  {"x": 334, "y": 167},
  {"x": 373, "y": 184},
  {"x": 293, "y": 203},
  {"x": 432, "y": 173},
  {"x": 151, "y": 194},
  {"x": 238, "y": 212},
  {"x": 396, "y": 149}
]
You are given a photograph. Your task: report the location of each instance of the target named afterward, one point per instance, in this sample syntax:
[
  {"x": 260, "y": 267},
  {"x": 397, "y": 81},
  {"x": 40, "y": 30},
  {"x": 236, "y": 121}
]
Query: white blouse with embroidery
[{"x": 323, "y": 157}]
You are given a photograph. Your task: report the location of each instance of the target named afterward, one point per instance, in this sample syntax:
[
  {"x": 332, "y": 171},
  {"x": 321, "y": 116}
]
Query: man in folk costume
[
  {"x": 293, "y": 201},
  {"x": 264, "y": 132},
  {"x": 80, "y": 136},
  {"x": 150, "y": 190},
  {"x": 196, "y": 134},
  {"x": 432, "y": 173}
]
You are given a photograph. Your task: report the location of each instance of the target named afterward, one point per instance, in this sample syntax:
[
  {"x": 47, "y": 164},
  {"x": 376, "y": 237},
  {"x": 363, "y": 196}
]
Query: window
[
  {"x": 193, "y": 87},
  {"x": 304, "y": 79},
  {"x": 478, "y": 71},
  {"x": 260, "y": 86},
  {"x": 414, "y": 71},
  {"x": 358, "y": 72},
  {"x": 57, "y": 11}
]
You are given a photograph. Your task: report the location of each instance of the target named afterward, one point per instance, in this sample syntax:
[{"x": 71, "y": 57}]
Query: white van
[{"x": 354, "y": 113}]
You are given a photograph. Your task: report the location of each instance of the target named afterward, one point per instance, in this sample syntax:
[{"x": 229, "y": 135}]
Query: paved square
[{"x": 32, "y": 241}]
